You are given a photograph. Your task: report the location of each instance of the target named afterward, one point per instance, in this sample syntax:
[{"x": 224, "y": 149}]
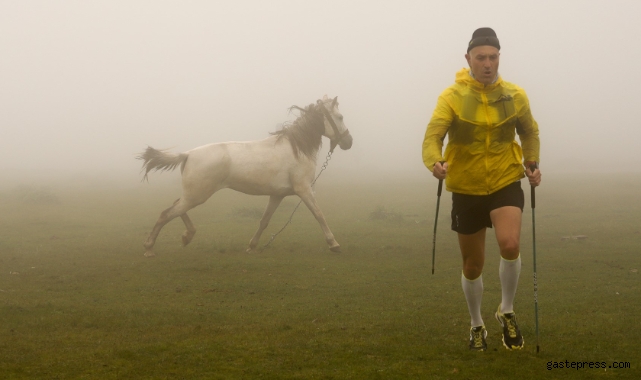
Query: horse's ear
[
  {"x": 325, "y": 97},
  {"x": 335, "y": 102}
]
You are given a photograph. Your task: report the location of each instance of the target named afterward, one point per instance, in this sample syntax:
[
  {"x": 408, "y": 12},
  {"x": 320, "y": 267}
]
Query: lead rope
[{"x": 289, "y": 221}]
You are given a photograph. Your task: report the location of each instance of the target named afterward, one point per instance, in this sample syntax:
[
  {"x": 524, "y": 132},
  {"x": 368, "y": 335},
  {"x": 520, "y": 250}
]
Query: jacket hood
[{"x": 463, "y": 77}]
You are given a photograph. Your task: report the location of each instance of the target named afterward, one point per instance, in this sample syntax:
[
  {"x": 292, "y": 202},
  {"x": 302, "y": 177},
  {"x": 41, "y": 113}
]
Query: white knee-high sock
[
  {"x": 473, "y": 290},
  {"x": 509, "y": 271}
]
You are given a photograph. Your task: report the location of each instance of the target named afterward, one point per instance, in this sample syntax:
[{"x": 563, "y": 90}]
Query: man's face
[{"x": 484, "y": 62}]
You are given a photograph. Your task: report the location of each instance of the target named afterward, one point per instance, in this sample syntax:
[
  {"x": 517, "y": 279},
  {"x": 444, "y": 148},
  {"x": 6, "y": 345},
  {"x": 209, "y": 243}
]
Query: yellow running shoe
[
  {"x": 512, "y": 338},
  {"x": 477, "y": 338}
]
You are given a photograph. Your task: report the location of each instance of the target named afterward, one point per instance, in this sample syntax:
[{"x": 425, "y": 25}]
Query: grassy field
[{"x": 79, "y": 300}]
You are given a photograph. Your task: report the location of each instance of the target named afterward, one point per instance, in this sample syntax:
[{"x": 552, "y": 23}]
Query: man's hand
[
  {"x": 534, "y": 177},
  {"x": 440, "y": 170}
]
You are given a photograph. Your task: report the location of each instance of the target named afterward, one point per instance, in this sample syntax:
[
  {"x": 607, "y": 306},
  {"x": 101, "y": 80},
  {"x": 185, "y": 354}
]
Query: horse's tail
[{"x": 162, "y": 160}]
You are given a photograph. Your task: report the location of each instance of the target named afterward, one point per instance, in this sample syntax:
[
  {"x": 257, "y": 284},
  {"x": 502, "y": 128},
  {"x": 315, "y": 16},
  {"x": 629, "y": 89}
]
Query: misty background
[{"x": 86, "y": 85}]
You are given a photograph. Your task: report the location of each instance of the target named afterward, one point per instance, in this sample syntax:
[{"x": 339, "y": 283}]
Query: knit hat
[{"x": 483, "y": 36}]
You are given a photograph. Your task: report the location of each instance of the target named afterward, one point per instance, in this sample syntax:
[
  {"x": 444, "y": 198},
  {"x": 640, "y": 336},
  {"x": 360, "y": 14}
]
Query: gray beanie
[{"x": 483, "y": 36}]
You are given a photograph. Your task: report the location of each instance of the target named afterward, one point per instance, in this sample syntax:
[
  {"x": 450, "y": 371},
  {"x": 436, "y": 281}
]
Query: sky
[{"x": 86, "y": 85}]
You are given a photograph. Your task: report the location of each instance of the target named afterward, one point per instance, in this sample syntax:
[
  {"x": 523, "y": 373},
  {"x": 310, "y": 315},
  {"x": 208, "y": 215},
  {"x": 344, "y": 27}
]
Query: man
[{"x": 482, "y": 167}]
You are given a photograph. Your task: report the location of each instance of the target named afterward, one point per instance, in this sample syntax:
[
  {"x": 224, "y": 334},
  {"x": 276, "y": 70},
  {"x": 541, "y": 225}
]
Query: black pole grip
[
  {"x": 440, "y": 183},
  {"x": 532, "y": 201}
]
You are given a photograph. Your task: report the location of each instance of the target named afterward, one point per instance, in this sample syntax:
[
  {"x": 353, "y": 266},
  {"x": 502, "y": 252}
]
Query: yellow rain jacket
[{"x": 481, "y": 123}]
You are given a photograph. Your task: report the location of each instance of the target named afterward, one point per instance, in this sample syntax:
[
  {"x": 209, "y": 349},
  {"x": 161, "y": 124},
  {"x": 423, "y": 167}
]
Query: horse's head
[{"x": 335, "y": 128}]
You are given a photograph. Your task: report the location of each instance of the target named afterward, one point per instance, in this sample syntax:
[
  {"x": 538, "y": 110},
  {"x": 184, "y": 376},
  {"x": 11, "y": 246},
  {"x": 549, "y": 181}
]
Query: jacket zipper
[{"x": 487, "y": 142}]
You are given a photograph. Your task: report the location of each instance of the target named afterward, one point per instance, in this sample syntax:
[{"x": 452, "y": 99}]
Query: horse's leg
[
  {"x": 190, "y": 231},
  {"x": 308, "y": 198},
  {"x": 274, "y": 202},
  {"x": 179, "y": 208}
]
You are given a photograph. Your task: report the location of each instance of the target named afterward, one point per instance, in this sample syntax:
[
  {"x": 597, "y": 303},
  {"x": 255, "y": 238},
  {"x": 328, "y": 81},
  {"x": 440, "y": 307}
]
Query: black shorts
[{"x": 471, "y": 213}]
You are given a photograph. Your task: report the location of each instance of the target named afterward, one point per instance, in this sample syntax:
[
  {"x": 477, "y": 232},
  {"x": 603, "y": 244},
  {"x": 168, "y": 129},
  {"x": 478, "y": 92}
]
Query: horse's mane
[{"x": 305, "y": 133}]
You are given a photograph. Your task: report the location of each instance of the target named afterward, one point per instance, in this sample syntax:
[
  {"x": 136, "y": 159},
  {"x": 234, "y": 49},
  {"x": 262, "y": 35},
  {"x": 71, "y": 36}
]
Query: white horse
[{"x": 280, "y": 165}]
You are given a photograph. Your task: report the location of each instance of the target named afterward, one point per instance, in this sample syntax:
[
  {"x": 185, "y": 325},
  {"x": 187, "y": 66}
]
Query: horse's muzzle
[{"x": 345, "y": 142}]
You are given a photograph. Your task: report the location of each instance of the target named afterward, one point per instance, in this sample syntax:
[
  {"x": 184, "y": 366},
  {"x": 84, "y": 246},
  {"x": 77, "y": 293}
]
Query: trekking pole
[
  {"x": 536, "y": 303},
  {"x": 438, "y": 201}
]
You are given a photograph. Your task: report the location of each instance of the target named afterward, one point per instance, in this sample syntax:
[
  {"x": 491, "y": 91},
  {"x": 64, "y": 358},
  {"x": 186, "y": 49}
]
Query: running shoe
[
  {"x": 477, "y": 338},
  {"x": 512, "y": 338}
]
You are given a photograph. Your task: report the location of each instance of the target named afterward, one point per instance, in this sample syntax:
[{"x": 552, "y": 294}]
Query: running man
[{"x": 483, "y": 165}]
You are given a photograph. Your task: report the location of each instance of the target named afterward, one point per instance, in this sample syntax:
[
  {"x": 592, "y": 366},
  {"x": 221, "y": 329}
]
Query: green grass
[{"x": 79, "y": 301}]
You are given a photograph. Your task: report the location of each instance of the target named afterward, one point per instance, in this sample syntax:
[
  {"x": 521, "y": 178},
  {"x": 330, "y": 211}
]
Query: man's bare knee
[
  {"x": 472, "y": 269},
  {"x": 510, "y": 249}
]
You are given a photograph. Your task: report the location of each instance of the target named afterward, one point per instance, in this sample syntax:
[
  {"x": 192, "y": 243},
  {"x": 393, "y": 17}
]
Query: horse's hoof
[
  {"x": 150, "y": 254},
  {"x": 186, "y": 237},
  {"x": 336, "y": 249}
]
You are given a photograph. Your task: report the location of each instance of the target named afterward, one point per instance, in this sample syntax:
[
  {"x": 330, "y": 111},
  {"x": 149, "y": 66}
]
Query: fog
[{"x": 85, "y": 86}]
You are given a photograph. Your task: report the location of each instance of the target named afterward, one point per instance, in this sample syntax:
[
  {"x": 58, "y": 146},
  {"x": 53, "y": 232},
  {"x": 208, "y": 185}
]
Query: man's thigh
[{"x": 507, "y": 227}]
